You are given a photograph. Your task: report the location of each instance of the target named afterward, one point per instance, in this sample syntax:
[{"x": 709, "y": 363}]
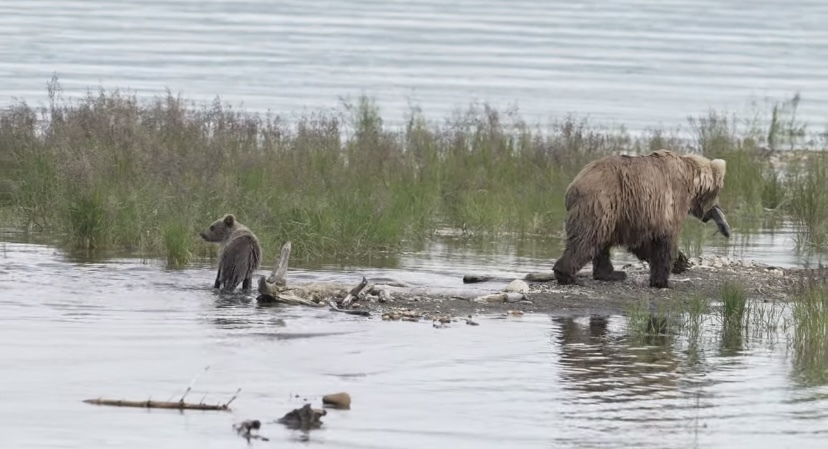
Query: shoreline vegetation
[{"x": 111, "y": 171}]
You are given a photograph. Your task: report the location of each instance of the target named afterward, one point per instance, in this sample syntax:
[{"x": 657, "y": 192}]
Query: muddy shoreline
[{"x": 596, "y": 298}]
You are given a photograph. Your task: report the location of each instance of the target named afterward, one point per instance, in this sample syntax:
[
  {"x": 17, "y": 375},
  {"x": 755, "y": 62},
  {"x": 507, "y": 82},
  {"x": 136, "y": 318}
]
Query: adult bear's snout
[{"x": 718, "y": 217}]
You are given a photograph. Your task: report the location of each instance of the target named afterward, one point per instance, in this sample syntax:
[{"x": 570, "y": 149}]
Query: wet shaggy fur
[
  {"x": 637, "y": 202},
  {"x": 239, "y": 253}
]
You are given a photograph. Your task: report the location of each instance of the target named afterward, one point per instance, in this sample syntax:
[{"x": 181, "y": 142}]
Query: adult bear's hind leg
[
  {"x": 661, "y": 261},
  {"x": 573, "y": 259},
  {"x": 602, "y": 269}
]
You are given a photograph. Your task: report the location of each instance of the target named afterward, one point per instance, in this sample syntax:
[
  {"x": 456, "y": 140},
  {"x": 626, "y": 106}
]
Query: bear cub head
[{"x": 220, "y": 229}]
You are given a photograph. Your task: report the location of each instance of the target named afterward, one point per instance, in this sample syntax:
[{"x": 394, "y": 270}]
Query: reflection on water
[{"x": 130, "y": 329}]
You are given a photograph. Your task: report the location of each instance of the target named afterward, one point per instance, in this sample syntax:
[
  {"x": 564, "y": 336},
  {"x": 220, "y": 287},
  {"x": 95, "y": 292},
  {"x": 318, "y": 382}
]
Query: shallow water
[
  {"x": 72, "y": 330},
  {"x": 638, "y": 63}
]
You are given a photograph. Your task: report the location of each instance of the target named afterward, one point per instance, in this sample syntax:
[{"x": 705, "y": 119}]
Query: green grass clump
[
  {"x": 106, "y": 170},
  {"x": 809, "y": 202},
  {"x": 734, "y": 303},
  {"x": 810, "y": 330},
  {"x": 178, "y": 239}
]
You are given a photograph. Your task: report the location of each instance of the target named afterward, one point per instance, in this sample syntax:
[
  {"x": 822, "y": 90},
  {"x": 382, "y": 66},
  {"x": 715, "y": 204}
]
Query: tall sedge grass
[
  {"x": 809, "y": 322},
  {"x": 107, "y": 170}
]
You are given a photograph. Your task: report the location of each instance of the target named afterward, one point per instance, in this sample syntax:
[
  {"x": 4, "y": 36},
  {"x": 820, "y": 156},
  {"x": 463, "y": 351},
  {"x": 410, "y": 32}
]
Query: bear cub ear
[{"x": 229, "y": 219}]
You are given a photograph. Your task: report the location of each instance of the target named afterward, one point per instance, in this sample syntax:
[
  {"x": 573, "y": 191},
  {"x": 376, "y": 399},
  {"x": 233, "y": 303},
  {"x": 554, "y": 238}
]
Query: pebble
[{"x": 517, "y": 286}]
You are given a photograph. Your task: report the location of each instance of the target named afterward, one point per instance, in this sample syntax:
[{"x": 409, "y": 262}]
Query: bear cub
[{"x": 239, "y": 253}]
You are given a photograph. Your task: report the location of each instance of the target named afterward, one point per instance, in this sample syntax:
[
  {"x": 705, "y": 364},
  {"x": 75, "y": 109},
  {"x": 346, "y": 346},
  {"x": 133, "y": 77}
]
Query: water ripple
[{"x": 602, "y": 58}]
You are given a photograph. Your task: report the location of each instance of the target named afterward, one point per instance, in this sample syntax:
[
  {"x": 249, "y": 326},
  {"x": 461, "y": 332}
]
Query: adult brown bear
[{"x": 640, "y": 203}]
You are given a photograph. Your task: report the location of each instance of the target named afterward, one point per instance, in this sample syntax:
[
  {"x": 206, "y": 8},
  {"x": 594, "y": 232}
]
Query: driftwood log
[
  {"x": 274, "y": 289},
  {"x": 175, "y": 405}
]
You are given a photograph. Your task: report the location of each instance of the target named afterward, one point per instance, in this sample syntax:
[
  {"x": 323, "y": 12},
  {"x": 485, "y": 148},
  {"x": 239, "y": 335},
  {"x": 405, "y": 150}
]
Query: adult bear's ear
[
  {"x": 229, "y": 220},
  {"x": 719, "y": 167}
]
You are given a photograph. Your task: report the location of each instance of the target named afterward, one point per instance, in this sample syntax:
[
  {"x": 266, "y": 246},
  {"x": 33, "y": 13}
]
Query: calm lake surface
[
  {"x": 73, "y": 329},
  {"x": 632, "y": 62}
]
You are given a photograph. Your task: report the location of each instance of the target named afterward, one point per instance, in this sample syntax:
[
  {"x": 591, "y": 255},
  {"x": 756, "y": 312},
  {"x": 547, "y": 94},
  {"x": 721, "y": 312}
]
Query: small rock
[
  {"x": 515, "y": 297},
  {"x": 410, "y": 319},
  {"x": 445, "y": 320},
  {"x": 514, "y": 312},
  {"x": 337, "y": 400},
  {"x": 517, "y": 286},
  {"x": 386, "y": 317}
]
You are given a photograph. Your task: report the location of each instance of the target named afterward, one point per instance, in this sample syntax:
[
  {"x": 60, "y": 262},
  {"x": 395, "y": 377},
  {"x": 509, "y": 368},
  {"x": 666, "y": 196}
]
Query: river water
[
  {"x": 73, "y": 328},
  {"x": 633, "y": 62}
]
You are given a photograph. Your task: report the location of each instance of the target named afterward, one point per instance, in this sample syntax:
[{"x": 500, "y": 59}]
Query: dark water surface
[{"x": 72, "y": 330}]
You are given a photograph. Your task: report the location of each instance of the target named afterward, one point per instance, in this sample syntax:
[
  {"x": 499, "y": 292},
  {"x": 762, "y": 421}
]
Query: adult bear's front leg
[
  {"x": 661, "y": 260},
  {"x": 217, "y": 284},
  {"x": 602, "y": 269}
]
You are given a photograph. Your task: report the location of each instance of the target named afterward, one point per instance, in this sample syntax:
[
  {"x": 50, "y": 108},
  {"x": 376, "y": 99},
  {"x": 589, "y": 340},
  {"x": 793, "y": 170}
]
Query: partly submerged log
[
  {"x": 274, "y": 289},
  {"x": 176, "y": 405},
  {"x": 336, "y": 308},
  {"x": 304, "y": 418},
  {"x": 354, "y": 292}
]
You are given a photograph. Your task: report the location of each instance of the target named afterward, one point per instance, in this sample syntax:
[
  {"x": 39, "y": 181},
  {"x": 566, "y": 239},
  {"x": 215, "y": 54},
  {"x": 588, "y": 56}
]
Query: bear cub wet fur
[{"x": 239, "y": 253}]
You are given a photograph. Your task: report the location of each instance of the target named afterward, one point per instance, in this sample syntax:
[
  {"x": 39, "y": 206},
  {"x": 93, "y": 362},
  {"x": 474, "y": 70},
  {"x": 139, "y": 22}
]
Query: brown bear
[
  {"x": 640, "y": 203},
  {"x": 239, "y": 253}
]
